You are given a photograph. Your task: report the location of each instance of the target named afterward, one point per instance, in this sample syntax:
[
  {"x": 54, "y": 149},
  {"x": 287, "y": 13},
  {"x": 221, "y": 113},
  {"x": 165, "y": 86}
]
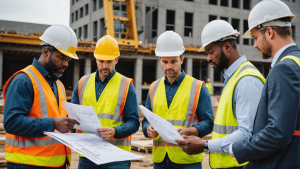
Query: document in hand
[
  {"x": 85, "y": 115},
  {"x": 93, "y": 147},
  {"x": 165, "y": 129}
]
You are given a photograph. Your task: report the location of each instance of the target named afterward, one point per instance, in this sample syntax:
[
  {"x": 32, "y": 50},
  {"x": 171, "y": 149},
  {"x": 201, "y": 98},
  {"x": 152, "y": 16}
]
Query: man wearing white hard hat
[
  {"x": 181, "y": 100},
  {"x": 33, "y": 105},
  {"x": 276, "y": 134},
  {"x": 239, "y": 100}
]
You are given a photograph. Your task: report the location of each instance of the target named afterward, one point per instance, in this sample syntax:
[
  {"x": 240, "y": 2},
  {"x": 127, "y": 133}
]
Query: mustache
[
  {"x": 213, "y": 62},
  {"x": 104, "y": 69},
  {"x": 170, "y": 69}
]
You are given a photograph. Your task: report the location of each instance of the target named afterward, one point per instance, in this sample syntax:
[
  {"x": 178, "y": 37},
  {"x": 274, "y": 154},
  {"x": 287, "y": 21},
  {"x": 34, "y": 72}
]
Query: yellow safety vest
[
  {"x": 294, "y": 58},
  {"x": 209, "y": 87},
  {"x": 181, "y": 113},
  {"x": 110, "y": 105},
  {"x": 225, "y": 122}
]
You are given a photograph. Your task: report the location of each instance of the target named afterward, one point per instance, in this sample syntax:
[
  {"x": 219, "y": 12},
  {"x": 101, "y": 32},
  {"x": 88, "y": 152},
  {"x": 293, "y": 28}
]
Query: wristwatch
[{"x": 205, "y": 148}]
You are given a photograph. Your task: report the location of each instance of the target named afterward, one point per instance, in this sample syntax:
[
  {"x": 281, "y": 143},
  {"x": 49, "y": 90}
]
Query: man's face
[
  {"x": 261, "y": 43},
  {"x": 106, "y": 67},
  {"x": 216, "y": 57},
  {"x": 57, "y": 63},
  {"x": 171, "y": 65}
]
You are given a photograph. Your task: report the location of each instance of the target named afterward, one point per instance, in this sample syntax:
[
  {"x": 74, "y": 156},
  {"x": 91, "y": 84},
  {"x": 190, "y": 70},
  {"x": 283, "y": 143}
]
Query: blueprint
[
  {"x": 85, "y": 115},
  {"x": 93, "y": 147},
  {"x": 165, "y": 129}
]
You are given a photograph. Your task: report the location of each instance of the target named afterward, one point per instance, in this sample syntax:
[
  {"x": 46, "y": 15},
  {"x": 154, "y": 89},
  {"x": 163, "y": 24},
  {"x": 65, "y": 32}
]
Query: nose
[
  {"x": 255, "y": 45},
  {"x": 209, "y": 58},
  {"x": 66, "y": 63},
  {"x": 169, "y": 66}
]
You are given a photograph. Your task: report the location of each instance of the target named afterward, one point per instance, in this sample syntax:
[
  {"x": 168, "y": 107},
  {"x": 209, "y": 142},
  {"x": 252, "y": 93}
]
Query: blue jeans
[
  {"x": 168, "y": 164},
  {"x": 85, "y": 163},
  {"x": 24, "y": 166}
]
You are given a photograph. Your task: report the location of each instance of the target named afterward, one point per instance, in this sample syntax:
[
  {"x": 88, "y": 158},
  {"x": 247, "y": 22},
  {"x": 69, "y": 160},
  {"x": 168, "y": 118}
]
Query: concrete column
[
  {"x": 200, "y": 73},
  {"x": 159, "y": 72},
  {"x": 1, "y": 67},
  {"x": 210, "y": 74},
  {"x": 76, "y": 72},
  {"x": 138, "y": 78},
  {"x": 88, "y": 66},
  {"x": 189, "y": 66}
]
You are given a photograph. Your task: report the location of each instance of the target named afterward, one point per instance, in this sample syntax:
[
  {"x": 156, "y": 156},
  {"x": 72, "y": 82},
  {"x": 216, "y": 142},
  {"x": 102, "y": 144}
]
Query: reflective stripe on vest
[
  {"x": 120, "y": 142},
  {"x": 82, "y": 84},
  {"x": 41, "y": 151},
  {"x": 180, "y": 113},
  {"x": 30, "y": 143},
  {"x": 225, "y": 121}
]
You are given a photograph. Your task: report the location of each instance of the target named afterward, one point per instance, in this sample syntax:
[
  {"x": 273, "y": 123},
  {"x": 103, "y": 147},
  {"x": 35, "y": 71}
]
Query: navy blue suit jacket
[{"x": 273, "y": 144}]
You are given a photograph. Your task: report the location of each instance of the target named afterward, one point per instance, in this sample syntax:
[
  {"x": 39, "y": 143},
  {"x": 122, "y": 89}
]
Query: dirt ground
[{"x": 144, "y": 163}]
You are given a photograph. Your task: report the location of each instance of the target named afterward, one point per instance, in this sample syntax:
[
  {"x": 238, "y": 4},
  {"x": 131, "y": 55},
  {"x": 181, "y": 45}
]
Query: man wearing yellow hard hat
[
  {"x": 113, "y": 97},
  {"x": 33, "y": 104}
]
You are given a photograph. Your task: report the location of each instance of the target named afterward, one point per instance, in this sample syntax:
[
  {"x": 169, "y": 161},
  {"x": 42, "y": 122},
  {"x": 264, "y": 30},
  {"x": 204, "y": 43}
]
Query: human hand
[
  {"x": 107, "y": 132},
  {"x": 151, "y": 132},
  {"x": 183, "y": 131},
  {"x": 64, "y": 124},
  {"x": 191, "y": 145}
]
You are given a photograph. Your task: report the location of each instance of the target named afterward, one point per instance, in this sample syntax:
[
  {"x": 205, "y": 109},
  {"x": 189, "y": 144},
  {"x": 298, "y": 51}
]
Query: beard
[
  {"x": 105, "y": 74},
  {"x": 53, "y": 69},
  {"x": 174, "y": 74},
  {"x": 222, "y": 63},
  {"x": 267, "y": 49}
]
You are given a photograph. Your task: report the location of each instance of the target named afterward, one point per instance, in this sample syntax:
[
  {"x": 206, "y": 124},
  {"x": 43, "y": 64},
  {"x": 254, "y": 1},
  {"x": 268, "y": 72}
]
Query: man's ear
[
  {"x": 181, "y": 59},
  {"x": 227, "y": 47},
  {"x": 117, "y": 59},
  {"x": 46, "y": 53},
  {"x": 269, "y": 33}
]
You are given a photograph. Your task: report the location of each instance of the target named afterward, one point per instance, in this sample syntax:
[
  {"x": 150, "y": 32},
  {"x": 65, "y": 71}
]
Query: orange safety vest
[{"x": 40, "y": 151}]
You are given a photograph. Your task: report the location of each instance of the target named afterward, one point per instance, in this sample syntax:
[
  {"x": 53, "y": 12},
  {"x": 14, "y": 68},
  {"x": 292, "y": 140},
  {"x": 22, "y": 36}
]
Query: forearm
[
  {"x": 23, "y": 126},
  {"x": 145, "y": 125},
  {"x": 127, "y": 129},
  {"x": 191, "y": 131}
]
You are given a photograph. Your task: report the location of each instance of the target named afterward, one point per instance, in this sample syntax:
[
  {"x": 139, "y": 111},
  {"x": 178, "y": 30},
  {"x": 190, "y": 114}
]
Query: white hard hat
[
  {"x": 217, "y": 30},
  {"x": 265, "y": 14},
  {"x": 169, "y": 43},
  {"x": 63, "y": 38}
]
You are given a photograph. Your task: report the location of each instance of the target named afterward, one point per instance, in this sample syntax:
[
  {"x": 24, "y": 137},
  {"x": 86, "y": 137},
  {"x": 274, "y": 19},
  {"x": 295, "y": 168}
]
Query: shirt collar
[
  {"x": 179, "y": 79},
  {"x": 233, "y": 67},
  {"x": 43, "y": 71},
  {"x": 278, "y": 53},
  {"x": 108, "y": 78}
]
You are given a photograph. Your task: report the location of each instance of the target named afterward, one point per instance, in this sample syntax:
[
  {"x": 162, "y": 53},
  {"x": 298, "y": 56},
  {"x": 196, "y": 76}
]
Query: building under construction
[{"x": 136, "y": 24}]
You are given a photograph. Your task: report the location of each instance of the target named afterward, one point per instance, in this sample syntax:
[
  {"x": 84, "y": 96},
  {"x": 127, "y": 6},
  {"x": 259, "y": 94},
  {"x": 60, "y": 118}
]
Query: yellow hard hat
[{"x": 107, "y": 48}]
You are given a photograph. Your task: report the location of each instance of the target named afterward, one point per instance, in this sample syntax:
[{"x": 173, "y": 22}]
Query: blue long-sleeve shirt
[
  {"x": 131, "y": 110},
  {"x": 19, "y": 96},
  {"x": 204, "y": 109},
  {"x": 245, "y": 101}
]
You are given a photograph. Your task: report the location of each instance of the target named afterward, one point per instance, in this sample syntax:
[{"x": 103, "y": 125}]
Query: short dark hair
[
  {"x": 231, "y": 41},
  {"x": 281, "y": 31}
]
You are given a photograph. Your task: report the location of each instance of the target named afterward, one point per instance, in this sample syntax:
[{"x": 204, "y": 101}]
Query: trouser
[
  {"x": 85, "y": 163},
  {"x": 25, "y": 166},
  {"x": 168, "y": 164}
]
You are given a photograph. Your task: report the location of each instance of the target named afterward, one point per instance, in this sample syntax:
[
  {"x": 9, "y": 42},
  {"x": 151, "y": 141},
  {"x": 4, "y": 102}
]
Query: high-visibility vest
[
  {"x": 297, "y": 60},
  {"x": 209, "y": 87},
  {"x": 110, "y": 105},
  {"x": 40, "y": 151},
  {"x": 181, "y": 113},
  {"x": 225, "y": 122}
]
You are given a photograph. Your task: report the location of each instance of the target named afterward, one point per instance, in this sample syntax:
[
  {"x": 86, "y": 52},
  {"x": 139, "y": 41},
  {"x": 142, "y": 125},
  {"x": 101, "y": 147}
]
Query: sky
[{"x": 36, "y": 11}]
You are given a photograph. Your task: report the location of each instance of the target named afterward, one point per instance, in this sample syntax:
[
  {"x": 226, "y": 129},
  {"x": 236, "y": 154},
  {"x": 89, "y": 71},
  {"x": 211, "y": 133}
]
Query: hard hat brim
[
  {"x": 71, "y": 55},
  {"x": 202, "y": 49},
  {"x": 247, "y": 35},
  {"x": 169, "y": 54},
  {"x": 105, "y": 57}
]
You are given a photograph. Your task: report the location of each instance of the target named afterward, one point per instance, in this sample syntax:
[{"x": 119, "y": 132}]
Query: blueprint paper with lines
[
  {"x": 93, "y": 147},
  {"x": 85, "y": 115},
  {"x": 165, "y": 129}
]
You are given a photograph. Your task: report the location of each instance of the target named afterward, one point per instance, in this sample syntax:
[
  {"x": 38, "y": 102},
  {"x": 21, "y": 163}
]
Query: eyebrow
[{"x": 208, "y": 50}]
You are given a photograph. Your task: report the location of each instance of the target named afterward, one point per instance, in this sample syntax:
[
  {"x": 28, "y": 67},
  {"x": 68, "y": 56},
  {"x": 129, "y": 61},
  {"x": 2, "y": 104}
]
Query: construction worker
[
  {"x": 114, "y": 99},
  {"x": 276, "y": 135},
  {"x": 239, "y": 100},
  {"x": 181, "y": 100},
  {"x": 209, "y": 87},
  {"x": 33, "y": 105}
]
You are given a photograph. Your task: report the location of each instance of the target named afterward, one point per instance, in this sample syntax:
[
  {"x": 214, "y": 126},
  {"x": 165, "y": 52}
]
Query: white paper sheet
[
  {"x": 93, "y": 147},
  {"x": 165, "y": 129},
  {"x": 85, "y": 115}
]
